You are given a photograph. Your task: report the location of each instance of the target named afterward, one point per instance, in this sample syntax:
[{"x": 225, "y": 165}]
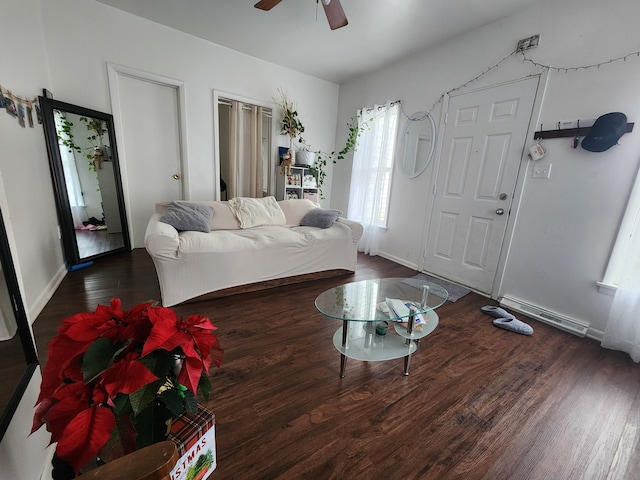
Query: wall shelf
[{"x": 569, "y": 132}]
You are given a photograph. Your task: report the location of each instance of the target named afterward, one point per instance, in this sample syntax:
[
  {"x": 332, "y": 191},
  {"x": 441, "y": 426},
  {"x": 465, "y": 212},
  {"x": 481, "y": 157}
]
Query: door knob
[
  {"x": 176, "y": 176},
  {"x": 500, "y": 211}
]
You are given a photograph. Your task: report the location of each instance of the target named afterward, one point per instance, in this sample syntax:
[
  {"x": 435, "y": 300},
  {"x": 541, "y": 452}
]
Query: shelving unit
[{"x": 292, "y": 187}]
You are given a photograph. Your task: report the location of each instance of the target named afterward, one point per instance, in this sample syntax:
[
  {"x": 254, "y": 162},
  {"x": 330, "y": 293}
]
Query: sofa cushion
[
  {"x": 320, "y": 217},
  {"x": 253, "y": 212},
  {"x": 295, "y": 210},
  {"x": 223, "y": 217},
  {"x": 188, "y": 216}
]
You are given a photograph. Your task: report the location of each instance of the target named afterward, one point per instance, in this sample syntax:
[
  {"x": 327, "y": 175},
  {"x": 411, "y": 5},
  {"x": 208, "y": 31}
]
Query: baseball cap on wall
[{"x": 605, "y": 132}]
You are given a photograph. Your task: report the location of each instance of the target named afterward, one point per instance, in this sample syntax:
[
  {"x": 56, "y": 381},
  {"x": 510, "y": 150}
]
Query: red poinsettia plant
[{"x": 114, "y": 379}]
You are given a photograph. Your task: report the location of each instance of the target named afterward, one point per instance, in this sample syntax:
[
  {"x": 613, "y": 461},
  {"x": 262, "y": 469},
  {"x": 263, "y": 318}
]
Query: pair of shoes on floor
[{"x": 504, "y": 319}]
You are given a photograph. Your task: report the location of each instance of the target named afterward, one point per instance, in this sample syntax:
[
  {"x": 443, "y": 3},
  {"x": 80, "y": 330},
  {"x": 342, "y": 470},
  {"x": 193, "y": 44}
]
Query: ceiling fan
[{"x": 332, "y": 8}]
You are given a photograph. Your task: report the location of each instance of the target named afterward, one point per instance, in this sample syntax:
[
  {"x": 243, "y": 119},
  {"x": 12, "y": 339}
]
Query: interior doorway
[
  {"x": 246, "y": 165},
  {"x": 149, "y": 116},
  {"x": 482, "y": 151}
]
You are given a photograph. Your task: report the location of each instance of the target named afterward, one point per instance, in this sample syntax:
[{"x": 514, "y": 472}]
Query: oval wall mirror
[
  {"x": 86, "y": 176},
  {"x": 417, "y": 144}
]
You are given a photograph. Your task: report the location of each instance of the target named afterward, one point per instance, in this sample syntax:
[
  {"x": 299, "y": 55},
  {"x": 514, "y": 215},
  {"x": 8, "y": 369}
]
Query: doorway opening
[{"x": 245, "y": 149}]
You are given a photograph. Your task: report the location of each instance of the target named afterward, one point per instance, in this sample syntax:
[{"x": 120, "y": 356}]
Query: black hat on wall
[{"x": 605, "y": 132}]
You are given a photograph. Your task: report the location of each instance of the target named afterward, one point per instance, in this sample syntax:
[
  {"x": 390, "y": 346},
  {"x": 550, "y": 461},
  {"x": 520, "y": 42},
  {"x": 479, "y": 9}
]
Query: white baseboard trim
[
  {"x": 568, "y": 324},
  {"x": 47, "y": 293},
  {"x": 399, "y": 260}
]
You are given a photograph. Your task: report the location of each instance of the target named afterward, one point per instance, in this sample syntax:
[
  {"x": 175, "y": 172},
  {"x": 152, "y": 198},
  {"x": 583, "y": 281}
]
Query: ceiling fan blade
[
  {"x": 267, "y": 4},
  {"x": 335, "y": 14}
]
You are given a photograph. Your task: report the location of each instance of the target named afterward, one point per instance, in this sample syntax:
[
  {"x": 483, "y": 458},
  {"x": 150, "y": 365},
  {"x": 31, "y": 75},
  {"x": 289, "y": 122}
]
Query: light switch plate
[{"x": 541, "y": 170}]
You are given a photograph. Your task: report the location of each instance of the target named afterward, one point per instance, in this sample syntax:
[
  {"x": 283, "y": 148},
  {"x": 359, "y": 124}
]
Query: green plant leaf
[
  {"x": 97, "y": 358},
  {"x": 190, "y": 402},
  {"x": 172, "y": 399},
  {"x": 204, "y": 385},
  {"x": 159, "y": 362},
  {"x": 122, "y": 404},
  {"x": 122, "y": 440},
  {"x": 144, "y": 396},
  {"x": 152, "y": 425}
]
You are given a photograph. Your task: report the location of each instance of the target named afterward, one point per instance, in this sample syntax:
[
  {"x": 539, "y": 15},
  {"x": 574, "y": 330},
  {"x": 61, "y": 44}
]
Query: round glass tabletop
[{"x": 380, "y": 299}]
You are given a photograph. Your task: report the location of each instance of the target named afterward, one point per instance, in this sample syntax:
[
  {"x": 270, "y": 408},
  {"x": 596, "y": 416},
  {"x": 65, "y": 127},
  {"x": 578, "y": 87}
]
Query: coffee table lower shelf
[{"x": 362, "y": 343}]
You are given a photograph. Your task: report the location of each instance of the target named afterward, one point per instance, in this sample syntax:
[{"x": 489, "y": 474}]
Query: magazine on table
[{"x": 400, "y": 308}]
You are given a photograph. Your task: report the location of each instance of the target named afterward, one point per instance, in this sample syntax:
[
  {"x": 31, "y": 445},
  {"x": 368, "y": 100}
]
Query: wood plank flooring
[{"x": 479, "y": 403}]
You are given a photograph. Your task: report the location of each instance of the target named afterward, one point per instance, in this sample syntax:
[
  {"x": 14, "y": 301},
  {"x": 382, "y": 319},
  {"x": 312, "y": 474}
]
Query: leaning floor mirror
[
  {"x": 17, "y": 348},
  {"x": 86, "y": 176}
]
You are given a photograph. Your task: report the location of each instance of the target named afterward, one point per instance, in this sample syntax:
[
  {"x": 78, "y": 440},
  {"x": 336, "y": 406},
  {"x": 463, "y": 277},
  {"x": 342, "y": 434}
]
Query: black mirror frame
[
  {"x": 24, "y": 330},
  {"x": 63, "y": 207}
]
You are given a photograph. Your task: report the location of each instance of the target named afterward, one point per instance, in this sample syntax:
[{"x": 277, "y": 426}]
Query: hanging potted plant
[
  {"x": 114, "y": 378},
  {"x": 290, "y": 123}
]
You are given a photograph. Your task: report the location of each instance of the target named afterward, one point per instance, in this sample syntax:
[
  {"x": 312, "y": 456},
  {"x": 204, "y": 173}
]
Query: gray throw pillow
[
  {"x": 188, "y": 216},
  {"x": 320, "y": 217}
]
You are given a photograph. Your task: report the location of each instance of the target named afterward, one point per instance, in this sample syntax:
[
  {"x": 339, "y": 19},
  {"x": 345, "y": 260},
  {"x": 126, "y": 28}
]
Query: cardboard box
[{"x": 195, "y": 437}]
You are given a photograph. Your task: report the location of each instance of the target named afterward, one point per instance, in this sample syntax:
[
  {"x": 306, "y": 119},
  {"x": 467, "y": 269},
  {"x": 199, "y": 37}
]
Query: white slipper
[
  {"x": 514, "y": 325},
  {"x": 496, "y": 312}
]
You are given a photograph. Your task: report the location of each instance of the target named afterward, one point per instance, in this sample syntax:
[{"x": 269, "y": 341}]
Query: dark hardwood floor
[{"x": 479, "y": 403}]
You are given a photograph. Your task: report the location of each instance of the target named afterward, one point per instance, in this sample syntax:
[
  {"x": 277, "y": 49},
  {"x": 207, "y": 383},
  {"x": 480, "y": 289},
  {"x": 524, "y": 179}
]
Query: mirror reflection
[
  {"x": 417, "y": 144},
  {"x": 246, "y": 164},
  {"x": 16, "y": 343},
  {"x": 84, "y": 164}
]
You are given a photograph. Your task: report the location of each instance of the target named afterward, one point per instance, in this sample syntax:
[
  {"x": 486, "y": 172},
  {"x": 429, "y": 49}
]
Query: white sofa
[{"x": 190, "y": 264}]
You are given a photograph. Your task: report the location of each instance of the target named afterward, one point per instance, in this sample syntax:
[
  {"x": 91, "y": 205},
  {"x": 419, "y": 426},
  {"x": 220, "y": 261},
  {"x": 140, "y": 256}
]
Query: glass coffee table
[{"x": 367, "y": 319}]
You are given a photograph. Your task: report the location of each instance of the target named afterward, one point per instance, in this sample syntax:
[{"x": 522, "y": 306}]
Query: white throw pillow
[{"x": 253, "y": 212}]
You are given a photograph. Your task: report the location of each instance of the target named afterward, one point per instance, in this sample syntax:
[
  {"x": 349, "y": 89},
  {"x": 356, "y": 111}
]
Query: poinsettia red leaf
[
  {"x": 71, "y": 400},
  {"x": 85, "y": 435},
  {"x": 126, "y": 376},
  {"x": 61, "y": 353},
  {"x": 216, "y": 354},
  {"x": 41, "y": 413},
  {"x": 164, "y": 327},
  {"x": 190, "y": 374},
  {"x": 84, "y": 327}
]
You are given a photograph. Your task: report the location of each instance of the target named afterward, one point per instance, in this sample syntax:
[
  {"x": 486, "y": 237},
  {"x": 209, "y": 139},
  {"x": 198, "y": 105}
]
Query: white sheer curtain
[
  {"x": 371, "y": 172},
  {"x": 72, "y": 180},
  {"x": 623, "y": 328},
  {"x": 245, "y": 151}
]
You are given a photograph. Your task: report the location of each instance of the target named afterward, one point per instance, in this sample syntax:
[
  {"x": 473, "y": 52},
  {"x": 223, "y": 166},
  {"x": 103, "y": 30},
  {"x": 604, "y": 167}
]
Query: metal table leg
[
  {"x": 343, "y": 357},
  {"x": 412, "y": 320}
]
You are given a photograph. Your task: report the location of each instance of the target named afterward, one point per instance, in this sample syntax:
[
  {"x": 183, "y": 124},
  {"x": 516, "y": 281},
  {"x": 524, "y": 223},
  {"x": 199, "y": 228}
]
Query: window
[
  {"x": 624, "y": 243},
  {"x": 372, "y": 171}
]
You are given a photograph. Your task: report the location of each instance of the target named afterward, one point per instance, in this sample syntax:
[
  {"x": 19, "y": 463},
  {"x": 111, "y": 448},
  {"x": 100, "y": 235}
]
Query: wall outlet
[
  {"x": 527, "y": 43},
  {"x": 541, "y": 170}
]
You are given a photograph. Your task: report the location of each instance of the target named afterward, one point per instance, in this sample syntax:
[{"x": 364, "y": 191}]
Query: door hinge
[
  {"x": 446, "y": 117},
  {"x": 435, "y": 189}
]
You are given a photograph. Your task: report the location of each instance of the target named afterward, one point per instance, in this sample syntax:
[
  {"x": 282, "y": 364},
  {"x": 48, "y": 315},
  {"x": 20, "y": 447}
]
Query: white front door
[
  {"x": 150, "y": 141},
  {"x": 481, "y": 155}
]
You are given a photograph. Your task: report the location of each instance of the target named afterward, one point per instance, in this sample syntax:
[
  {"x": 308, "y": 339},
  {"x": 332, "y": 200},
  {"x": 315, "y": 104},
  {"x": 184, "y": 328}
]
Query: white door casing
[
  {"x": 148, "y": 112},
  {"x": 481, "y": 154}
]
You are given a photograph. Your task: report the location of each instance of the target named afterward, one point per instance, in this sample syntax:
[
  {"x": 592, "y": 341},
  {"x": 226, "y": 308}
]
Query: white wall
[
  {"x": 78, "y": 72},
  {"x": 29, "y": 212},
  {"x": 566, "y": 225}
]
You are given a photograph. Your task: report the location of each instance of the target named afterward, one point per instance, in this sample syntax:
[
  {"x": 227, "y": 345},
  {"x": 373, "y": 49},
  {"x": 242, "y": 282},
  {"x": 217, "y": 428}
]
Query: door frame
[
  {"x": 114, "y": 71},
  {"x": 217, "y": 95},
  {"x": 523, "y": 169}
]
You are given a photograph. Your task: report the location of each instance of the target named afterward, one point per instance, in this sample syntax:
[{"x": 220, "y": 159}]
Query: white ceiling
[{"x": 379, "y": 31}]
